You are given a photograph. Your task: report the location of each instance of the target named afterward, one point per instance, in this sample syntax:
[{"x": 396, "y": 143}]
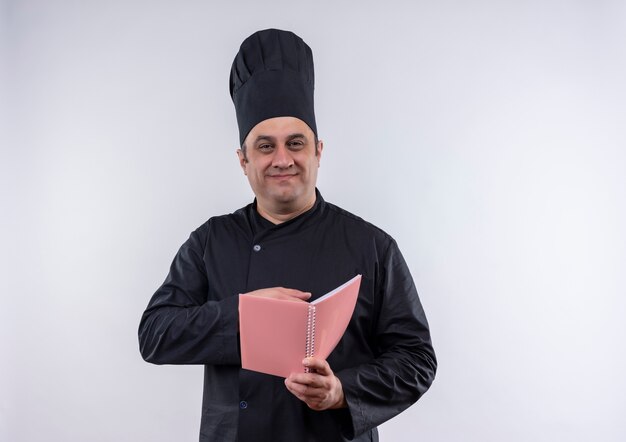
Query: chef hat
[{"x": 272, "y": 76}]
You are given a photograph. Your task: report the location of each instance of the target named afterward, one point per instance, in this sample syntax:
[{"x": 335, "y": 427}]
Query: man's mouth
[{"x": 282, "y": 176}]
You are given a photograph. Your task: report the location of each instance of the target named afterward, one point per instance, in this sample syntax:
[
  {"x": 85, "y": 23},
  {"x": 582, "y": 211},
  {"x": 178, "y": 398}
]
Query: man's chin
[{"x": 286, "y": 200}]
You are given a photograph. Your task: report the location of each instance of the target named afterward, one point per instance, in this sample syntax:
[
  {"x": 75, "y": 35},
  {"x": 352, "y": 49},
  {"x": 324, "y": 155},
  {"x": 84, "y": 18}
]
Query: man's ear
[
  {"x": 242, "y": 161},
  {"x": 318, "y": 151}
]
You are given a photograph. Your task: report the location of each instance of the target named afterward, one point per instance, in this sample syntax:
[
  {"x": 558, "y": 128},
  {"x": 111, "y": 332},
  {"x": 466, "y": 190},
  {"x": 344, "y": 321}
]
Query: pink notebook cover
[{"x": 273, "y": 332}]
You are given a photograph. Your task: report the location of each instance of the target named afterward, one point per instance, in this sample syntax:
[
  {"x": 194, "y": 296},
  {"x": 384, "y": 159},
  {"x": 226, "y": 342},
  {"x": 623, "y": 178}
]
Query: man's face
[{"x": 281, "y": 162}]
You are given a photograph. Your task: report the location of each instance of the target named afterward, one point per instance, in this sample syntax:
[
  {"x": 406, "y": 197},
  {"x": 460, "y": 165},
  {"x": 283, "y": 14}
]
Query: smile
[{"x": 281, "y": 177}]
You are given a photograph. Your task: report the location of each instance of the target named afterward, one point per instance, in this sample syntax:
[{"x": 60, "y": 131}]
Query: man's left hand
[{"x": 320, "y": 389}]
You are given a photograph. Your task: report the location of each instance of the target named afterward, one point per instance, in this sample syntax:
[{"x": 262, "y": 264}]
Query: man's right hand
[{"x": 281, "y": 293}]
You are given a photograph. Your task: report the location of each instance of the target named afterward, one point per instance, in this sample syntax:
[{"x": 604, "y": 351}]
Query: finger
[
  {"x": 293, "y": 388},
  {"x": 306, "y": 379},
  {"x": 319, "y": 366},
  {"x": 281, "y": 293},
  {"x": 301, "y": 391},
  {"x": 292, "y": 293},
  {"x": 305, "y": 392}
]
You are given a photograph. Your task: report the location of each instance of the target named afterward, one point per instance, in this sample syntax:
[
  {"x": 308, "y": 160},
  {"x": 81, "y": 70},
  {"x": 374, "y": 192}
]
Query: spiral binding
[{"x": 310, "y": 334}]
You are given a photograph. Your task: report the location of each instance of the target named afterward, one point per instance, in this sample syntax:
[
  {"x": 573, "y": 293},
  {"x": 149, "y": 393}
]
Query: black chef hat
[{"x": 272, "y": 76}]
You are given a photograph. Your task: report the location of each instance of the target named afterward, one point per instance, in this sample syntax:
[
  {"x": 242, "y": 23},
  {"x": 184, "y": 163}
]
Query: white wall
[{"x": 487, "y": 137}]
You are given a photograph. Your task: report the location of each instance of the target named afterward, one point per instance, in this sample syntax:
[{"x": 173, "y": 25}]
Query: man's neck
[{"x": 279, "y": 215}]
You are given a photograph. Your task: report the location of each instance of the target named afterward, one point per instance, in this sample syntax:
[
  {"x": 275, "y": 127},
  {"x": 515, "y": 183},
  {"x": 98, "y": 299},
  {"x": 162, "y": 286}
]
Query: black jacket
[{"x": 385, "y": 360}]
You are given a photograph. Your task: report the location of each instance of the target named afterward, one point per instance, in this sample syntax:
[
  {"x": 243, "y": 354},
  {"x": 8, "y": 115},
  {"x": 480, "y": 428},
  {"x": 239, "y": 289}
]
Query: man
[{"x": 289, "y": 244}]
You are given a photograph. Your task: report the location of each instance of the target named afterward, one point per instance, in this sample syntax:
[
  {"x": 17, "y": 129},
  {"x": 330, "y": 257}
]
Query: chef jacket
[{"x": 385, "y": 360}]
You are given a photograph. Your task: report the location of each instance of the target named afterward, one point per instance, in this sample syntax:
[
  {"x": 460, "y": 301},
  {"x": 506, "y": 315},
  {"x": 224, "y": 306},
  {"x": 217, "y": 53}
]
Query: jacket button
[
  {"x": 243, "y": 405},
  {"x": 256, "y": 248}
]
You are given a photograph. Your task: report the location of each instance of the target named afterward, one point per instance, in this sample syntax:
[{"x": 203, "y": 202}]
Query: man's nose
[{"x": 282, "y": 157}]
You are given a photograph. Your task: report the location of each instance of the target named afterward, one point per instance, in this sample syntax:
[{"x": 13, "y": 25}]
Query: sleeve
[
  {"x": 404, "y": 365},
  {"x": 180, "y": 325}
]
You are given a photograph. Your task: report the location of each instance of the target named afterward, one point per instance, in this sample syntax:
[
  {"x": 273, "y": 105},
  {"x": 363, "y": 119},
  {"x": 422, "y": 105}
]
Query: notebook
[{"x": 275, "y": 334}]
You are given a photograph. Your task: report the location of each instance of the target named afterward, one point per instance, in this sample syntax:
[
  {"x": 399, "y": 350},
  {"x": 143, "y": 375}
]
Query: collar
[{"x": 260, "y": 224}]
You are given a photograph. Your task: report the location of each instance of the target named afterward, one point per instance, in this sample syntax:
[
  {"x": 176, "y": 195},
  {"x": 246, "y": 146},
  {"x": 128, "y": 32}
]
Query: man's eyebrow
[
  {"x": 264, "y": 137},
  {"x": 292, "y": 136},
  {"x": 272, "y": 138}
]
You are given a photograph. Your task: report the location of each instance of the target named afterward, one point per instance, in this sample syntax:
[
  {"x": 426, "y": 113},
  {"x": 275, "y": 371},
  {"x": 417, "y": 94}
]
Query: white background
[{"x": 487, "y": 137}]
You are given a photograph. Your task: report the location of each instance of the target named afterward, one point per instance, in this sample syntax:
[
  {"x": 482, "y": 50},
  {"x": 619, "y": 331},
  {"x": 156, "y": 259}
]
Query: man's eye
[
  {"x": 265, "y": 147},
  {"x": 296, "y": 144}
]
